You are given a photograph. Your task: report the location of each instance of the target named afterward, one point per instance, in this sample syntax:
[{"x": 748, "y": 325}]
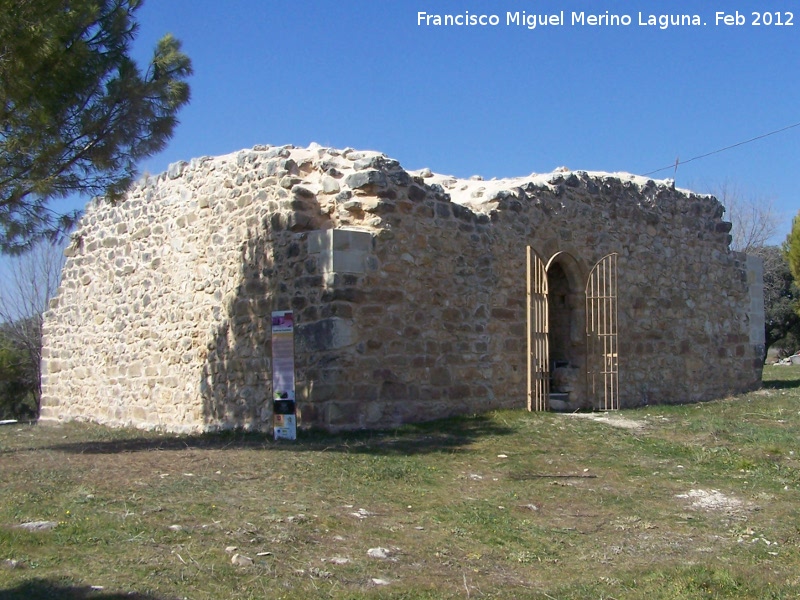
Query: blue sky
[{"x": 498, "y": 101}]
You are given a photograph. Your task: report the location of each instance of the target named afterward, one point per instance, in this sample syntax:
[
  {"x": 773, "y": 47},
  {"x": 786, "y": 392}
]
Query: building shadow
[
  {"x": 275, "y": 273},
  {"x": 456, "y": 434},
  {"x": 43, "y": 589},
  {"x": 235, "y": 382},
  {"x": 781, "y": 384}
]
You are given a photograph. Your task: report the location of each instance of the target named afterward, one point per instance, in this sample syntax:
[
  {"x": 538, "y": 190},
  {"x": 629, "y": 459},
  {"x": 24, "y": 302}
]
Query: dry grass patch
[
  {"x": 699, "y": 502},
  {"x": 615, "y": 420}
]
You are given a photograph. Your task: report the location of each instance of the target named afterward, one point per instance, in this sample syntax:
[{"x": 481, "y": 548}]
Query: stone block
[
  {"x": 366, "y": 180},
  {"x": 176, "y": 169},
  {"x": 504, "y": 314},
  {"x": 375, "y": 414},
  {"x": 337, "y": 309},
  {"x": 348, "y": 239},
  {"x": 365, "y": 392},
  {"x": 326, "y": 334},
  {"x": 344, "y": 414},
  {"x": 387, "y": 296},
  {"x": 440, "y": 376},
  {"x": 443, "y": 210},
  {"x": 322, "y": 392},
  {"x": 349, "y": 261},
  {"x": 393, "y": 390},
  {"x": 347, "y": 294},
  {"x": 452, "y": 315},
  {"x": 312, "y": 415},
  {"x": 459, "y": 392},
  {"x": 423, "y": 361},
  {"x": 340, "y": 250},
  {"x": 330, "y": 185}
]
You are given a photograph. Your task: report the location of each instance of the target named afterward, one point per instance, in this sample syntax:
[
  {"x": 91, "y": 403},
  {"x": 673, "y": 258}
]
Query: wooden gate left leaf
[{"x": 538, "y": 348}]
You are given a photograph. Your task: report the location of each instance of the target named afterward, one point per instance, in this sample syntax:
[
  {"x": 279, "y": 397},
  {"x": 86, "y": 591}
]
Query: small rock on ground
[
  {"x": 240, "y": 560},
  {"x": 38, "y": 525},
  {"x": 378, "y": 552}
]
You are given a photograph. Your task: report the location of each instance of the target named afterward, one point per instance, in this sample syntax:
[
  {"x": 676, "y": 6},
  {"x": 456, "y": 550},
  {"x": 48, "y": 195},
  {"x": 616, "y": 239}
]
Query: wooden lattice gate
[
  {"x": 602, "y": 358},
  {"x": 602, "y": 345},
  {"x": 538, "y": 351}
]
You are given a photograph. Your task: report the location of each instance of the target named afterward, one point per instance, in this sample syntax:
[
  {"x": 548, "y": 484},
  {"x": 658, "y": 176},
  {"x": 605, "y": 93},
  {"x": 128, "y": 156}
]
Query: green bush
[{"x": 17, "y": 387}]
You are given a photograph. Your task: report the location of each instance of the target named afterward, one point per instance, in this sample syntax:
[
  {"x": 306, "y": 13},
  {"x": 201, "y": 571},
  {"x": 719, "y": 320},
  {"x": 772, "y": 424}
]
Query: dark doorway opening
[{"x": 566, "y": 307}]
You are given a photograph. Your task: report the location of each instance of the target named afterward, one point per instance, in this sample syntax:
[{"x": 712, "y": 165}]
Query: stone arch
[{"x": 566, "y": 279}]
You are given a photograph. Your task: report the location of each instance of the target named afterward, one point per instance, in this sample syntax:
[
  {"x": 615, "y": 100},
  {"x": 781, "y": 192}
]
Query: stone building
[{"x": 414, "y": 295}]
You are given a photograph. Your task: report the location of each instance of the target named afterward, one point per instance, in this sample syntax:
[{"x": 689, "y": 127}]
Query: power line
[{"x": 758, "y": 137}]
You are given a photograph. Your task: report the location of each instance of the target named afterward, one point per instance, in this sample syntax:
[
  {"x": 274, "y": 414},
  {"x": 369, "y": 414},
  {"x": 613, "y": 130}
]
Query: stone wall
[{"x": 409, "y": 292}]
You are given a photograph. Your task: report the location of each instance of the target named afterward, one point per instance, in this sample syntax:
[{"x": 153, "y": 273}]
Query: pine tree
[{"x": 76, "y": 113}]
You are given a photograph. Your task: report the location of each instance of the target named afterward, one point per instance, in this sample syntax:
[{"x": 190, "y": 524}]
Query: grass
[{"x": 699, "y": 502}]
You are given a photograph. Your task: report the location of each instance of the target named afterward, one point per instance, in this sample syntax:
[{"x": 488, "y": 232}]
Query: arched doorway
[
  {"x": 567, "y": 343},
  {"x": 572, "y": 333}
]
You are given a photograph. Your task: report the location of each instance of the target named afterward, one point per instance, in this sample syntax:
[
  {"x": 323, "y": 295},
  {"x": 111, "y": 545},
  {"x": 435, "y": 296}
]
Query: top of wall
[
  {"x": 477, "y": 192},
  {"x": 328, "y": 171},
  {"x": 319, "y": 188}
]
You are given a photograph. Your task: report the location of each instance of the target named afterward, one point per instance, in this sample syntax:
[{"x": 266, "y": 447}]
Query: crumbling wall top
[{"x": 317, "y": 170}]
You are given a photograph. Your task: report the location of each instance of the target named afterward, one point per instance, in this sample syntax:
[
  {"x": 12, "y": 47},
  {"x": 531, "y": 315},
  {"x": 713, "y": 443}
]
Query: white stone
[
  {"x": 38, "y": 525},
  {"x": 378, "y": 552},
  {"x": 240, "y": 560}
]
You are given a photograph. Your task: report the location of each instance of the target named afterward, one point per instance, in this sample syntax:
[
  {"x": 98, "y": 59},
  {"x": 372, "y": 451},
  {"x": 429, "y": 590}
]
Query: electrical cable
[{"x": 677, "y": 162}]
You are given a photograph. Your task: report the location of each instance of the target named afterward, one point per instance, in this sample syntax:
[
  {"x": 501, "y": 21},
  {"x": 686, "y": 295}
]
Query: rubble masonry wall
[{"x": 409, "y": 291}]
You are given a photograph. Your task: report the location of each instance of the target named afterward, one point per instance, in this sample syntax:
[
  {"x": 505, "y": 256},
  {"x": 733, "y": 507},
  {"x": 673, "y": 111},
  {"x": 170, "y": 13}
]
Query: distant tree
[
  {"x": 76, "y": 113},
  {"x": 754, "y": 218},
  {"x": 26, "y": 289},
  {"x": 781, "y": 297},
  {"x": 17, "y": 399},
  {"x": 792, "y": 249}
]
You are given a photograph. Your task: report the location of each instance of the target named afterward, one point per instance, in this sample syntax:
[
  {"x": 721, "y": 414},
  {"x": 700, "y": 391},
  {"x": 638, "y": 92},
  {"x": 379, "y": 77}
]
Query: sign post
[{"x": 284, "y": 409}]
